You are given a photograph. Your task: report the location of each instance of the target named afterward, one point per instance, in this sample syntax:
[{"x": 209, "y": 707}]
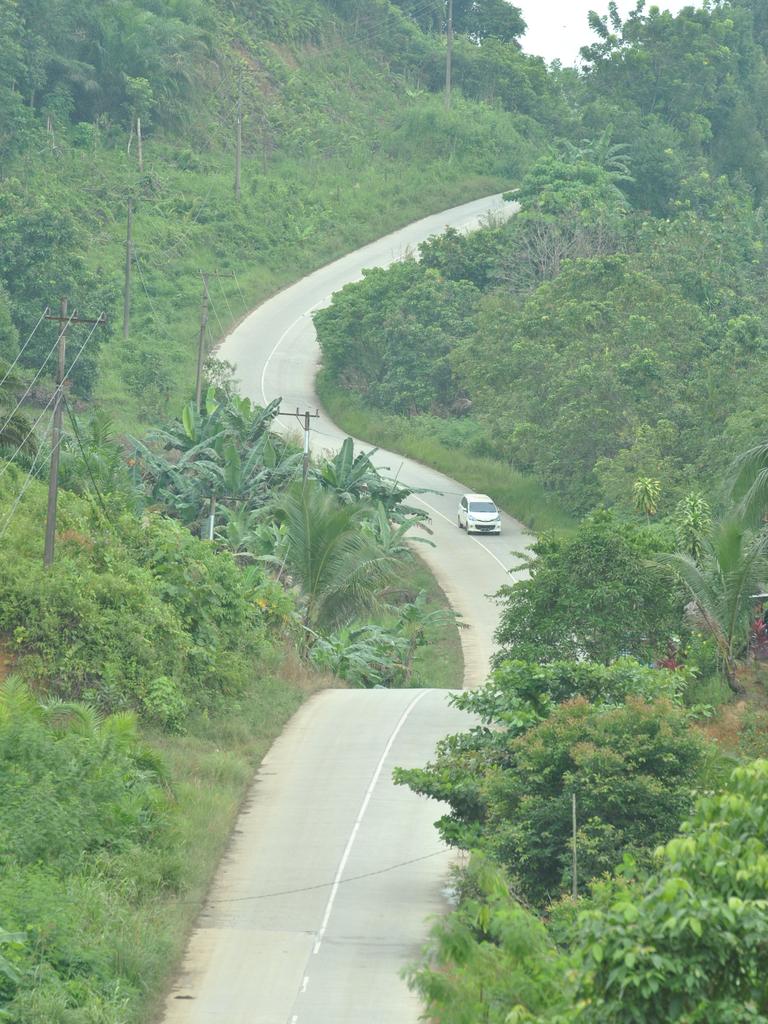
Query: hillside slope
[{"x": 344, "y": 135}]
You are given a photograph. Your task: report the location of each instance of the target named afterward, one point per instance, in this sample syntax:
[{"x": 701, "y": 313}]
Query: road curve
[
  {"x": 332, "y": 871},
  {"x": 276, "y": 354}
]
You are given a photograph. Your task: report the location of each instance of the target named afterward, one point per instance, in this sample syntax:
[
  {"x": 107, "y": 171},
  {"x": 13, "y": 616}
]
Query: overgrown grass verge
[
  {"x": 521, "y": 496},
  {"x": 212, "y": 767},
  {"x": 440, "y": 663},
  {"x": 105, "y": 930}
]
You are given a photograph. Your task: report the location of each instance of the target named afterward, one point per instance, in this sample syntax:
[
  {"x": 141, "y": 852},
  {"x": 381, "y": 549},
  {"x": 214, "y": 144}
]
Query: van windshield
[{"x": 482, "y": 506}]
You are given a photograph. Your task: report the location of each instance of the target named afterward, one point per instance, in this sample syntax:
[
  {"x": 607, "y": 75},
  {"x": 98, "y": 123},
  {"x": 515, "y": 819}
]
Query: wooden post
[
  {"x": 449, "y": 56},
  {"x": 239, "y": 138},
  {"x": 574, "y": 867},
  {"x": 128, "y": 265},
  {"x": 58, "y": 405},
  {"x": 139, "y": 148},
  {"x": 201, "y": 344}
]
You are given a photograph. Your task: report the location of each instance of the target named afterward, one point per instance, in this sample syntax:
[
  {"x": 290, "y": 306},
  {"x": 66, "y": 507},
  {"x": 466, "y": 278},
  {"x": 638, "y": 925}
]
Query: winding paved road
[{"x": 332, "y": 871}]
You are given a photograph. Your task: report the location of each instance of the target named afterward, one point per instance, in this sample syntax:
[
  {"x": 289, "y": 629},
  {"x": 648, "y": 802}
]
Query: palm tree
[
  {"x": 692, "y": 521},
  {"x": 339, "y": 566},
  {"x": 749, "y": 485},
  {"x": 732, "y": 567},
  {"x": 646, "y": 492}
]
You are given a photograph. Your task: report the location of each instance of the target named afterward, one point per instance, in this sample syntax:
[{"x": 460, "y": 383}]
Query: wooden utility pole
[
  {"x": 239, "y": 138},
  {"x": 211, "y": 521},
  {"x": 305, "y": 469},
  {"x": 139, "y": 145},
  {"x": 58, "y": 405},
  {"x": 201, "y": 342},
  {"x": 574, "y": 854},
  {"x": 449, "y": 56},
  {"x": 128, "y": 266}
]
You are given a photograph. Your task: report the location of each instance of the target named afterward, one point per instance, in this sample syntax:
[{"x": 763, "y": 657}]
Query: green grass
[
  {"x": 521, "y": 496},
  {"x": 212, "y": 767},
  {"x": 441, "y": 662}
]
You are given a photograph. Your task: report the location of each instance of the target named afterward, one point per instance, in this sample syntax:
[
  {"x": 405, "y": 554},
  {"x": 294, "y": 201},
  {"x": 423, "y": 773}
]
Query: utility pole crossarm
[{"x": 304, "y": 420}]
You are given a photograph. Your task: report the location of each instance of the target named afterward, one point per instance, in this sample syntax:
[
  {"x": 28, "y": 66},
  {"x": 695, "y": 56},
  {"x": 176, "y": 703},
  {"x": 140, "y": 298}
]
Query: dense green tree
[
  {"x": 687, "y": 945},
  {"x": 700, "y": 70},
  {"x": 632, "y": 767},
  {"x": 41, "y": 259},
  {"x": 389, "y": 337},
  {"x": 594, "y": 593},
  {"x": 569, "y": 375}
]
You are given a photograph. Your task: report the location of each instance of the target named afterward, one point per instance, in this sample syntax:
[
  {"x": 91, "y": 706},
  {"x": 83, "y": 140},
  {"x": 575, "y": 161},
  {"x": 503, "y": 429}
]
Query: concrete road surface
[
  {"x": 333, "y": 871},
  {"x": 276, "y": 354}
]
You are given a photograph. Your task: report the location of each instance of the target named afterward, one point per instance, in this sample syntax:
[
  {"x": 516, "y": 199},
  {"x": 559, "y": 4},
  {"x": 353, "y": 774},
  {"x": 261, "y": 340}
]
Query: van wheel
[{"x": 458, "y": 520}]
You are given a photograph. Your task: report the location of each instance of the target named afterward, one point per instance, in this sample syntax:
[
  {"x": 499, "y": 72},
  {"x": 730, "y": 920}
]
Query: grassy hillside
[{"x": 345, "y": 136}]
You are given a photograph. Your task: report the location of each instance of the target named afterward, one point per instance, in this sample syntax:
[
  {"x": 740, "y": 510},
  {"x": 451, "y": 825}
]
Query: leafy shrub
[
  {"x": 593, "y": 594},
  {"x": 127, "y": 605},
  {"x": 688, "y": 944},
  {"x": 518, "y": 692}
]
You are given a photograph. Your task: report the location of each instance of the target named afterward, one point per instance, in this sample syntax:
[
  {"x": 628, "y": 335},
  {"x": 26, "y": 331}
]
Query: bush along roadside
[
  {"x": 459, "y": 448},
  {"x": 146, "y": 672}
]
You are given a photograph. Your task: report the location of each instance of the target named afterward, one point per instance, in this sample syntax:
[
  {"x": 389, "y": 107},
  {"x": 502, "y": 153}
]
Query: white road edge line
[
  {"x": 277, "y": 345},
  {"x": 359, "y": 820}
]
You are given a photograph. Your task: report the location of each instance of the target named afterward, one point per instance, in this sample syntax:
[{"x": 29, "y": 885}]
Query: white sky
[{"x": 558, "y": 28}]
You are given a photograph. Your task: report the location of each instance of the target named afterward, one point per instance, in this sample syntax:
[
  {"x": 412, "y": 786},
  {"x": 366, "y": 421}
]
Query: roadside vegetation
[
  {"x": 145, "y": 674},
  {"x": 613, "y": 330},
  {"x": 345, "y": 137},
  {"x": 595, "y": 362},
  {"x": 609, "y": 800}
]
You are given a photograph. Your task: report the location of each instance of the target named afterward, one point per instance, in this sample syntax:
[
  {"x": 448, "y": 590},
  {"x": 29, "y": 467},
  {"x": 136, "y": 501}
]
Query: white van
[{"x": 478, "y": 514}]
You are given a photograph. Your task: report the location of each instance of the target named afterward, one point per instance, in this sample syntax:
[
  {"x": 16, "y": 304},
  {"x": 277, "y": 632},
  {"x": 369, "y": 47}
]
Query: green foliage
[
  {"x": 722, "y": 583},
  {"x": 225, "y": 451},
  {"x": 632, "y": 768},
  {"x": 491, "y": 960},
  {"x": 41, "y": 258},
  {"x": 519, "y": 693},
  {"x": 136, "y": 614},
  {"x": 595, "y": 593},
  {"x": 71, "y": 784},
  {"x": 389, "y": 338},
  {"x": 636, "y": 65},
  {"x": 339, "y": 567},
  {"x": 688, "y": 944},
  {"x": 365, "y": 655},
  {"x": 692, "y": 522},
  {"x": 74, "y": 790}
]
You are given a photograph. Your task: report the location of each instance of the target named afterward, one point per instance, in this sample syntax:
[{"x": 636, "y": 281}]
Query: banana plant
[
  {"x": 7, "y": 969},
  {"x": 355, "y": 478}
]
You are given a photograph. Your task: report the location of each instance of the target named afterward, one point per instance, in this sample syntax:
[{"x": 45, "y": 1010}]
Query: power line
[
  {"x": 223, "y": 292},
  {"x": 328, "y": 885},
  {"x": 237, "y": 283},
  {"x": 9, "y": 462},
  {"x": 33, "y": 472},
  {"x": 39, "y": 372},
  {"x": 56, "y": 391},
  {"x": 213, "y": 307},
  {"x": 23, "y": 347}
]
